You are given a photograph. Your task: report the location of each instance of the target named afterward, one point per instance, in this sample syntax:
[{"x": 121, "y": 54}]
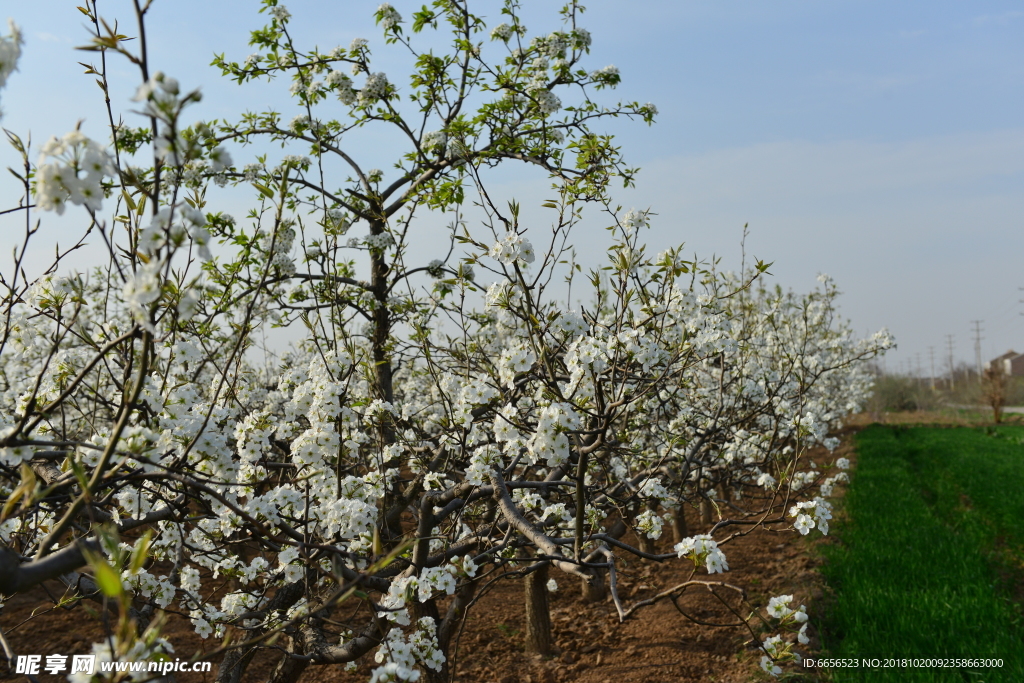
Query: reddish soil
[{"x": 656, "y": 644}]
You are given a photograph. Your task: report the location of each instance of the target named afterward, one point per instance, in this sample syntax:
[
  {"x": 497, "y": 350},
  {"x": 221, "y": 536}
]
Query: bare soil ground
[
  {"x": 948, "y": 417},
  {"x": 659, "y": 643}
]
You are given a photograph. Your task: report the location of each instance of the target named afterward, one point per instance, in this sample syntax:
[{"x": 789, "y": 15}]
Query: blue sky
[{"x": 879, "y": 142}]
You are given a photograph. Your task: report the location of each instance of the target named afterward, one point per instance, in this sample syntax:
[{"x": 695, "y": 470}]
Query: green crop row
[{"x": 928, "y": 559}]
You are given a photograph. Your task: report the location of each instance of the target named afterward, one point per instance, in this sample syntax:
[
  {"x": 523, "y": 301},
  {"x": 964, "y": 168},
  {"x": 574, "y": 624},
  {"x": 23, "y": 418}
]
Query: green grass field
[{"x": 930, "y": 553}]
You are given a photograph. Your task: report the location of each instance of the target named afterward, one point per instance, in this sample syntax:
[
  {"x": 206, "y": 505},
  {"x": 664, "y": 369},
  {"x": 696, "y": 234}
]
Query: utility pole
[
  {"x": 917, "y": 355},
  {"x": 952, "y": 370},
  {"x": 931, "y": 357},
  {"x": 977, "y": 344}
]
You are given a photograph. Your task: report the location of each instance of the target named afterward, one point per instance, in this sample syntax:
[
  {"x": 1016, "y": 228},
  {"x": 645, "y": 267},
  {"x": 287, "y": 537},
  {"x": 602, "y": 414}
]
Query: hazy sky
[{"x": 879, "y": 142}]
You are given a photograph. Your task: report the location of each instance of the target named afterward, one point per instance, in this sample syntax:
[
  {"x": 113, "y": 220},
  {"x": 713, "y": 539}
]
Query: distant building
[
  {"x": 1011, "y": 363},
  {"x": 1014, "y": 366}
]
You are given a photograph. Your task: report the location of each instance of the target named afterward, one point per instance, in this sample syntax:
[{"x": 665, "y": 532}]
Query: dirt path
[{"x": 657, "y": 644}]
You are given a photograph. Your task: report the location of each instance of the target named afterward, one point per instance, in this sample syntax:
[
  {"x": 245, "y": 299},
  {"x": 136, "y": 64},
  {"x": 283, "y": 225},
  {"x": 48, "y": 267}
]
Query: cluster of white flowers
[
  {"x": 778, "y": 607},
  {"x": 435, "y": 269},
  {"x": 608, "y": 76},
  {"x": 72, "y": 169},
  {"x": 142, "y": 289},
  {"x": 553, "y": 45},
  {"x": 581, "y": 39},
  {"x": 142, "y": 650},
  {"x": 481, "y": 464},
  {"x": 502, "y": 294},
  {"x": 777, "y": 650},
  {"x": 829, "y": 483},
  {"x": 400, "y": 654},
  {"x": 277, "y": 245},
  {"x": 375, "y": 88},
  {"x": 280, "y": 13},
  {"x": 634, "y": 220},
  {"x": 163, "y": 100},
  {"x": 10, "y": 51},
  {"x": 571, "y": 324},
  {"x": 337, "y": 221},
  {"x": 513, "y": 361},
  {"x": 171, "y": 226},
  {"x": 547, "y": 101},
  {"x": 586, "y": 353},
  {"x": 388, "y": 16},
  {"x": 549, "y": 440},
  {"x": 811, "y": 513},
  {"x": 650, "y": 523},
  {"x": 342, "y": 86},
  {"x": 502, "y": 32},
  {"x": 299, "y": 124},
  {"x": 466, "y": 395},
  {"x": 434, "y": 140},
  {"x": 251, "y": 172},
  {"x": 703, "y": 549},
  {"x": 159, "y": 589},
  {"x": 458, "y": 151},
  {"x": 379, "y": 242},
  {"x": 512, "y": 248},
  {"x": 292, "y": 161},
  {"x": 801, "y": 480}
]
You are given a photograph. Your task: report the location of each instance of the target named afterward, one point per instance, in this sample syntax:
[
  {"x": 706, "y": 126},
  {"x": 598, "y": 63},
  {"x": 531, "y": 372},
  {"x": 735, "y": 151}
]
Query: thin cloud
[
  {"x": 50, "y": 38},
  {"x": 1003, "y": 19}
]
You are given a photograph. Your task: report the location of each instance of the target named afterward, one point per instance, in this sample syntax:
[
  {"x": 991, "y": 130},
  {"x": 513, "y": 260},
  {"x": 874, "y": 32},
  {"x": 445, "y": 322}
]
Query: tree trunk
[
  {"x": 418, "y": 610},
  {"x": 383, "y": 379},
  {"x": 452, "y": 623},
  {"x": 647, "y": 544},
  {"x": 595, "y": 590},
  {"x": 679, "y": 530},
  {"x": 538, "y": 617},
  {"x": 705, "y": 511},
  {"x": 288, "y": 668}
]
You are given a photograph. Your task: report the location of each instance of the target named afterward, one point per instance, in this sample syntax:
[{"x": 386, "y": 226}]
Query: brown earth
[
  {"x": 659, "y": 643},
  {"x": 946, "y": 417}
]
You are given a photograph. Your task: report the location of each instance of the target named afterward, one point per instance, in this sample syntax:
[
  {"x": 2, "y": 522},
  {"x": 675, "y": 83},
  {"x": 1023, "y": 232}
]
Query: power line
[
  {"x": 977, "y": 343},
  {"x": 931, "y": 357},
  {"x": 952, "y": 370}
]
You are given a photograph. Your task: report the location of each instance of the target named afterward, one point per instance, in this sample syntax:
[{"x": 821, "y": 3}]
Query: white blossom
[{"x": 702, "y": 549}]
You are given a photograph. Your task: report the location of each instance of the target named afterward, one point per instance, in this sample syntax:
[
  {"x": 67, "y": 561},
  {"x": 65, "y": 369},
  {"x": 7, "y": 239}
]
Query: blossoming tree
[{"x": 439, "y": 426}]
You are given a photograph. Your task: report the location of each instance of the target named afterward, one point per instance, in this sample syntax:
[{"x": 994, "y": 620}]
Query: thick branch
[
  {"x": 523, "y": 526},
  {"x": 16, "y": 576}
]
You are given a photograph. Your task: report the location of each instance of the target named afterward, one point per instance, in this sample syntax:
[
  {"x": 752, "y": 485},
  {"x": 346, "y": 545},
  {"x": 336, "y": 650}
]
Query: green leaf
[
  {"x": 106, "y": 577},
  {"x": 24, "y": 490},
  {"x": 140, "y": 552},
  {"x": 266, "y": 191},
  {"x": 79, "y": 471}
]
